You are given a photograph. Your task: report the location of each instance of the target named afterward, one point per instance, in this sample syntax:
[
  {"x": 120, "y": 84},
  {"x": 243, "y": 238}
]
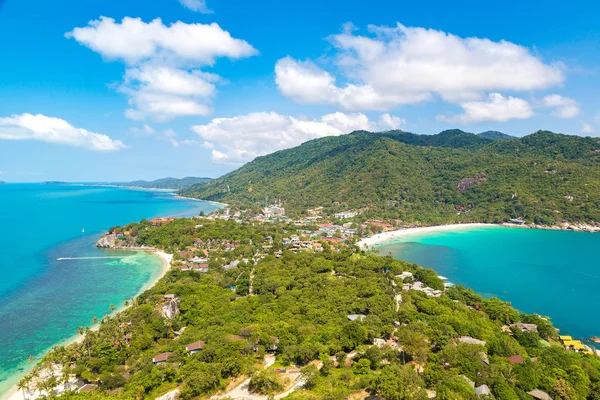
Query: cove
[{"x": 552, "y": 273}]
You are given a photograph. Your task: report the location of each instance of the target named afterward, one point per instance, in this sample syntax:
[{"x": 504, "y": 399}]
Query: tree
[
  {"x": 400, "y": 383},
  {"x": 265, "y": 382}
]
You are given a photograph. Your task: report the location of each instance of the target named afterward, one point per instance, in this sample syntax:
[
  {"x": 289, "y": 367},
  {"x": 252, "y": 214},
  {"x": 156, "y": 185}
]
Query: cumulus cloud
[
  {"x": 406, "y": 65},
  {"x": 54, "y": 130},
  {"x": 242, "y": 138},
  {"x": 163, "y": 79},
  {"x": 387, "y": 121},
  {"x": 497, "y": 109},
  {"x": 564, "y": 107},
  {"x": 196, "y": 5},
  {"x": 587, "y": 128}
]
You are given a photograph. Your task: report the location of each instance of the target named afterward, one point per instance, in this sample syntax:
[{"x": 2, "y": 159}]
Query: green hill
[
  {"x": 449, "y": 177},
  {"x": 165, "y": 183},
  {"x": 495, "y": 135}
]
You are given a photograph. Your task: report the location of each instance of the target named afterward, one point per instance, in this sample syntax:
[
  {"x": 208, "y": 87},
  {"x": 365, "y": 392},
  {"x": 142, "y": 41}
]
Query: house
[
  {"x": 345, "y": 215},
  {"x": 236, "y": 337},
  {"x": 195, "y": 347},
  {"x": 405, "y": 275},
  {"x": 272, "y": 347},
  {"x": 470, "y": 340},
  {"x": 538, "y": 394},
  {"x": 202, "y": 268},
  {"x": 532, "y": 328},
  {"x": 517, "y": 221},
  {"x": 354, "y": 317},
  {"x": 515, "y": 359},
  {"x": 199, "y": 260},
  {"x": 483, "y": 390},
  {"x": 161, "y": 358},
  {"x": 160, "y": 221}
]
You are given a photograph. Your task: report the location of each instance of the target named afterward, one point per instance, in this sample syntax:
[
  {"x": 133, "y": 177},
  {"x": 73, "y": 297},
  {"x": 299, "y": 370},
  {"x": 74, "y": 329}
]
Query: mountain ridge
[{"x": 544, "y": 177}]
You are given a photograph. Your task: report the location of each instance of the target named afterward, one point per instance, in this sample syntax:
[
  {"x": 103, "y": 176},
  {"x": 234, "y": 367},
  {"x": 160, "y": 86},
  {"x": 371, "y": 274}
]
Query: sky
[{"x": 112, "y": 90}]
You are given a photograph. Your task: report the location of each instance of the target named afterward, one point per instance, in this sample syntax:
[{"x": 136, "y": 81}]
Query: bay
[{"x": 552, "y": 273}]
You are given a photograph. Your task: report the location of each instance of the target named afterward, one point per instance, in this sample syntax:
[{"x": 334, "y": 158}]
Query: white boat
[{"x": 83, "y": 230}]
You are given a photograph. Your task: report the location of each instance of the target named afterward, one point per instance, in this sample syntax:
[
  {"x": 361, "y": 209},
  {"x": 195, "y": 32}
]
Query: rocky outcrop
[
  {"x": 172, "y": 395},
  {"x": 170, "y": 308},
  {"x": 564, "y": 226},
  {"x": 467, "y": 183},
  {"x": 107, "y": 241}
]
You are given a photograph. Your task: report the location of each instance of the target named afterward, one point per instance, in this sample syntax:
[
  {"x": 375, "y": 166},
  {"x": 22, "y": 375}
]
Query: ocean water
[
  {"x": 552, "y": 273},
  {"x": 43, "y": 300}
]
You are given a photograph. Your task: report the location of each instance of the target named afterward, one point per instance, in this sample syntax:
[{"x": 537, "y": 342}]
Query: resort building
[
  {"x": 195, "y": 347},
  {"x": 161, "y": 358}
]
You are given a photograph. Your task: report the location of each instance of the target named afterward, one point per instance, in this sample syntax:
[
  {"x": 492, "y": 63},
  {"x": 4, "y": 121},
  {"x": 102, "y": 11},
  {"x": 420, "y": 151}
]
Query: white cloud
[
  {"x": 168, "y": 135},
  {"x": 163, "y": 79},
  {"x": 196, "y": 5},
  {"x": 134, "y": 40},
  {"x": 387, "y": 121},
  {"x": 564, "y": 107},
  {"x": 587, "y": 128},
  {"x": 54, "y": 130},
  {"x": 405, "y": 65},
  {"x": 242, "y": 138},
  {"x": 497, "y": 109}
]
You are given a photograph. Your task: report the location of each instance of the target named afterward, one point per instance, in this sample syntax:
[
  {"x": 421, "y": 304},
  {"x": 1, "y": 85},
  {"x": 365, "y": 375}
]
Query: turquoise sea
[
  {"x": 43, "y": 300},
  {"x": 552, "y": 273}
]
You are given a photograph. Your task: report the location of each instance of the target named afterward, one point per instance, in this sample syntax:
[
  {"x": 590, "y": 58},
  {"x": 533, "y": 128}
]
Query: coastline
[
  {"x": 378, "y": 238},
  {"x": 14, "y": 393}
]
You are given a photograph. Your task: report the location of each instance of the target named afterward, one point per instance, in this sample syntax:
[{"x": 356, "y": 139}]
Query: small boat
[
  {"x": 595, "y": 339},
  {"x": 83, "y": 230}
]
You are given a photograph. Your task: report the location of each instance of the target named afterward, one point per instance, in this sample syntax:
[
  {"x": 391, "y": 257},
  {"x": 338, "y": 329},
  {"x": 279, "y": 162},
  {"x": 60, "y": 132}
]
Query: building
[
  {"x": 515, "y": 359},
  {"x": 161, "y": 358},
  {"x": 345, "y": 214},
  {"x": 195, "y": 347},
  {"x": 532, "y": 328},
  {"x": 273, "y": 211}
]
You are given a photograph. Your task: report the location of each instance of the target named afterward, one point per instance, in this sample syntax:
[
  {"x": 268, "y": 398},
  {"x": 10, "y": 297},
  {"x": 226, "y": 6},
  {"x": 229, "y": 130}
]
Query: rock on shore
[{"x": 107, "y": 241}]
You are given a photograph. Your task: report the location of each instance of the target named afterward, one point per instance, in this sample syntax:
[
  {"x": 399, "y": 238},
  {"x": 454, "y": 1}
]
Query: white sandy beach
[
  {"x": 387, "y": 236},
  {"x": 16, "y": 394}
]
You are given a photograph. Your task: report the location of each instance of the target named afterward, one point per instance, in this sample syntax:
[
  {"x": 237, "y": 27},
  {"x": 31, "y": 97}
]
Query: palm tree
[
  {"x": 23, "y": 385},
  {"x": 112, "y": 308},
  {"x": 94, "y": 320},
  {"x": 126, "y": 303}
]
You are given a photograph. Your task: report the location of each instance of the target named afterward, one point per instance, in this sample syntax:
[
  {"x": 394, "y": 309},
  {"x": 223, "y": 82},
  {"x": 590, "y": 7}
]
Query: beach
[
  {"x": 387, "y": 236},
  {"x": 16, "y": 394}
]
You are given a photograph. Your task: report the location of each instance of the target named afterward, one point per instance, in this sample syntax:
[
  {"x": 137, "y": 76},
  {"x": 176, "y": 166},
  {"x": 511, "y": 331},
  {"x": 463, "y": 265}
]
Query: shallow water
[
  {"x": 553, "y": 273},
  {"x": 42, "y": 300}
]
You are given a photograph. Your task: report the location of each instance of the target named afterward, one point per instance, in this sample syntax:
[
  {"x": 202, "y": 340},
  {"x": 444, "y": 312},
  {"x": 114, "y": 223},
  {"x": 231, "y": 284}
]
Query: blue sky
[{"x": 102, "y": 90}]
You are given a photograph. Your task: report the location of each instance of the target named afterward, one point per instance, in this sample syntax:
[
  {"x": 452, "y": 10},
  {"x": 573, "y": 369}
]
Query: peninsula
[{"x": 258, "y": 305}]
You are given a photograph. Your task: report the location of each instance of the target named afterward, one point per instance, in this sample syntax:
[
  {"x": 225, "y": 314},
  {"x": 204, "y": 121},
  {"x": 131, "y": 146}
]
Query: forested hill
[
  {"x": 452, "y": 176},
  {"x": 165, "y": 183}
]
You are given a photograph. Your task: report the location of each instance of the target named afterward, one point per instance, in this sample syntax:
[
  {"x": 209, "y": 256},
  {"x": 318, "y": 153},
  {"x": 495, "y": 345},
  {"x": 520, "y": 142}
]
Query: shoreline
[
  {"x": 14, "y": 393},
  {"x": 378, "y": 238}
]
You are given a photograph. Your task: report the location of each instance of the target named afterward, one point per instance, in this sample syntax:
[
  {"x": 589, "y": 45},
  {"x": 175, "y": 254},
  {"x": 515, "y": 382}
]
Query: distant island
[
  {"x": 452, "y": 177},
  {"x": 3, "y": 183},
  {"x": 165, "y": 183},
  {"x": 55, "y": 183}
]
